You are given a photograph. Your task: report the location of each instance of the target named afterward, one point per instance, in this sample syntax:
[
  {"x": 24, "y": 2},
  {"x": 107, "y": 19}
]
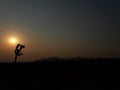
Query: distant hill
[
  {"x": 79, "y": 59},
  {"x": 63, "y": 59}
]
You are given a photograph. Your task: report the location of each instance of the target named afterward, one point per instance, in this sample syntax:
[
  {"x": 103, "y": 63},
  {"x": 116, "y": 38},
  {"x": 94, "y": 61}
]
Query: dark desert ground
[{"x": 61, "y": 74}]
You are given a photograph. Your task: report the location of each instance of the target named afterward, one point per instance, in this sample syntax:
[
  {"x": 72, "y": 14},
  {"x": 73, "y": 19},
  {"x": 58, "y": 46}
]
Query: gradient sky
[{"x": 63, "y": 28}]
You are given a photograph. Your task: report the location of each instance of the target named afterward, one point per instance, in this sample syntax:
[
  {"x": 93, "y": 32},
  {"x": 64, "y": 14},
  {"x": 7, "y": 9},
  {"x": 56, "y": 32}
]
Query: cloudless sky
[{"x": 63, "y": 28}]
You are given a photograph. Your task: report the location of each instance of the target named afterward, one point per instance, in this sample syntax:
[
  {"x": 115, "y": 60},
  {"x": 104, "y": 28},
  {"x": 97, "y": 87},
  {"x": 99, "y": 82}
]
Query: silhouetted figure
[{"x": 18, "y": 52}]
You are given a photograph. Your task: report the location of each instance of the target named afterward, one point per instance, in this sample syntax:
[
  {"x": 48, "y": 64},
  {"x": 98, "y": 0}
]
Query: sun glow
[{"x": 13, "y": 40}]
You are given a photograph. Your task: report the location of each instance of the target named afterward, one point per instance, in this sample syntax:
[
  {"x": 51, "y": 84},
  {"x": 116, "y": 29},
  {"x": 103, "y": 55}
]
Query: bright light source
[{"x": 13, "y": 40}]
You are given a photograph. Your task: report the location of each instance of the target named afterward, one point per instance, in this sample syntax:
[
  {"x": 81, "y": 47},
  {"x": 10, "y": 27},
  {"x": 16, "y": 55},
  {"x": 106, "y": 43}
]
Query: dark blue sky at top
[{"x": 65, "y": 23}]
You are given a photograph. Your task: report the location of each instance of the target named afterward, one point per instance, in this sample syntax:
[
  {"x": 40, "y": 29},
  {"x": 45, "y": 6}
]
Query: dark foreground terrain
[{"x": 61, "y": 74}]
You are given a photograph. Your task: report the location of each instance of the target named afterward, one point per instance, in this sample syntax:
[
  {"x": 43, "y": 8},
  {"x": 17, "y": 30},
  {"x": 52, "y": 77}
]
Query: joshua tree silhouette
[{"x": 18, "y": 52}]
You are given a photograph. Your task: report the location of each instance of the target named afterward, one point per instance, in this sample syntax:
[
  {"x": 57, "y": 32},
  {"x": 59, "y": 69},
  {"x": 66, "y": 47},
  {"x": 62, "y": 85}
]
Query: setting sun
[{"x": 13, "y": 40}]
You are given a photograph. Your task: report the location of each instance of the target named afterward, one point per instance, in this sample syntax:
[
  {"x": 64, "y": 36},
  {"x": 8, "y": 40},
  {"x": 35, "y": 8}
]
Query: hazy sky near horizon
[{"x": 63, "y": 28}]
